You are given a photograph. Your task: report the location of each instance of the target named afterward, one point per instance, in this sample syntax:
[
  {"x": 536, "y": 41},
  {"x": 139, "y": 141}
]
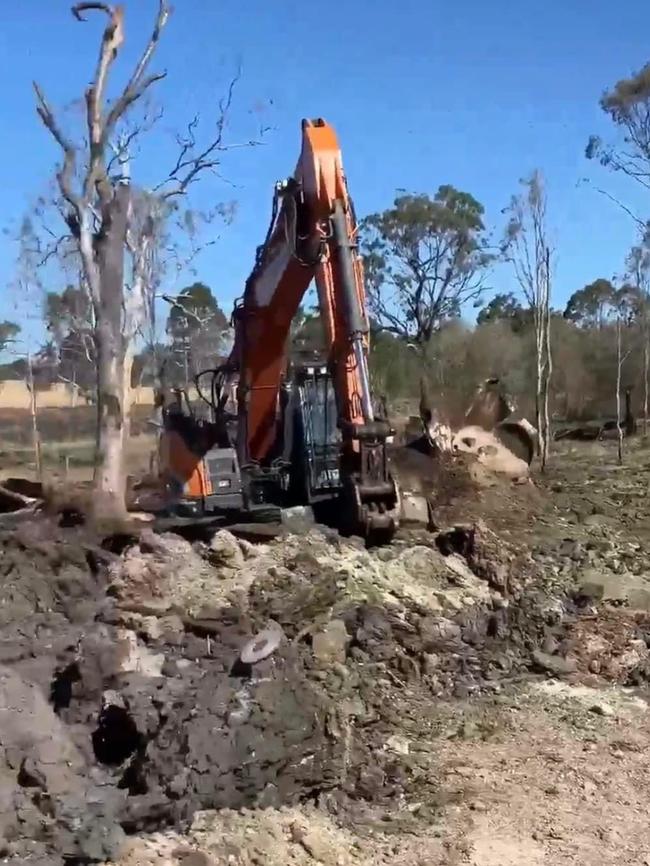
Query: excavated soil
[{"x": 128, "y": 715}]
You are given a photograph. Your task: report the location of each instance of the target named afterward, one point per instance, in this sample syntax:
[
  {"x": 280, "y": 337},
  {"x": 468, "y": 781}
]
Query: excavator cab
[{"x": 316, "y": 437}]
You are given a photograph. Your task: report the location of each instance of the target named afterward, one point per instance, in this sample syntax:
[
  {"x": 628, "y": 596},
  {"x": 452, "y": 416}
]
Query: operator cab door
[{"x": 317, "y": 439}]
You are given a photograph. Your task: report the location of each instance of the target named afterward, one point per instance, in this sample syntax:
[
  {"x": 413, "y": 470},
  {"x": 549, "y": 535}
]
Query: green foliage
[
  {"x": 589, "y": 307},
  {"x": 8, "y": 333},
  {"x": 198, "y": 328},
  {"x": 505, "y": 308},
  {"x": 69, "y": 321},
  {"x": 424, "y": 259},
  {"x": 195, "y": 308},
  {"x": 598, "y": 303},
  {"x": 627, "y": 104},
  {"x": 66, "y": 312}
]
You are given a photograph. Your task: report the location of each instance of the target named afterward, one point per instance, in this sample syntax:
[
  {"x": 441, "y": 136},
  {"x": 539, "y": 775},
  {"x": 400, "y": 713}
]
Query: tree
[
  {"x": 638, "y": 275},
  {"x": 8, "y": 333},
  {"x": 628, "y": 106},
  {"x": 526, "y": 246},
  {"x": 589, "y": 307},
  {"x": 504, "y": 307},
  {"x": 116, "y": 227},
  {"x": 69, "y": 319},
  {"x": 424, "y": 259},
  {"x": 197, "y": 326}
]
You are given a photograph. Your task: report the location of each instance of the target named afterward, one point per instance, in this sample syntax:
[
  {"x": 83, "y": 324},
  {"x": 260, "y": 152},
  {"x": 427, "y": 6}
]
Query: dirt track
[{"x": 437, "y": 702}]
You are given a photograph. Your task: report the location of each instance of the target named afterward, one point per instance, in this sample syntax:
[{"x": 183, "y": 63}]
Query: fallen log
[
  {"x": 11, "y": 501},
  {"x": 12, "y": 518}
]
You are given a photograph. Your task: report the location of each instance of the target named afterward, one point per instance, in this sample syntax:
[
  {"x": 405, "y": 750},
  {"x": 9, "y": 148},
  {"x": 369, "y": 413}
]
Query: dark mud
[{"x": 115, "y": 723}]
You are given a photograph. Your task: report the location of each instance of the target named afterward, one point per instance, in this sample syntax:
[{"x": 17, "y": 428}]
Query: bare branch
[
  {"x": 66, "y": 173},
  {"x": 190, "y": 163},
  {"x": 111, "y": 43},
  {"x": 123, "y": 147},
  {"x": 138, "y": 83},
  {"x": 640, "y": 223},
  {"x": 84, "y": 7}
]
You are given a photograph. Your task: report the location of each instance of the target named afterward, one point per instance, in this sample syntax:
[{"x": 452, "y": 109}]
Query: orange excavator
[{"x": 297, "y": 432}]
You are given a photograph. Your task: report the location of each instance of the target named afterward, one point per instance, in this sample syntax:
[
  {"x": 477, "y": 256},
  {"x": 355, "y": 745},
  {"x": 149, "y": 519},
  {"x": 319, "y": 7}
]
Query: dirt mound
[
  {"x": 275, "y": 837},
  {"x": 135, "y": 657}
]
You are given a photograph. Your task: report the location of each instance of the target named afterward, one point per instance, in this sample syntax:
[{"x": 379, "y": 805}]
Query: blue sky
[{"x": 421, "y": 93}]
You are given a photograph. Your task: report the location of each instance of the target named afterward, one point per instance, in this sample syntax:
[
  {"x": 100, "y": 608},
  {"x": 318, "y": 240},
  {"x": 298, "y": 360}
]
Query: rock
[
  {"x": 313, "y": 843},
  {"x": 249, "y": 549},
  {"x": 151, "y": 627},
  {"x": 397, "y": 744},
  {"x": 430, "y": 662},
  {"x": 604, "y": 587},
  {"x": 171, "y": 628},
  {"x": 595, "y": 520},
  {"x": 438, "y": 631},
  {"x": 555, "y": 665},
  {"x": 638, "y": 598},
  {"x": 462, "y": 573},
  {"x": 330, "y": 645},
  {"x": 134, "y": 658},
  {"x": 226, "y": 550}
]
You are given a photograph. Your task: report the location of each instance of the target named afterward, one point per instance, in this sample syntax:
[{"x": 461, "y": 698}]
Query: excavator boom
[{"x": 313, "y": 236}]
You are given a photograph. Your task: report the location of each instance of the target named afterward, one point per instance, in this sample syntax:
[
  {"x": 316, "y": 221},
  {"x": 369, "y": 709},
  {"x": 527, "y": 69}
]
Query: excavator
[{"x": 283, "y": 431}]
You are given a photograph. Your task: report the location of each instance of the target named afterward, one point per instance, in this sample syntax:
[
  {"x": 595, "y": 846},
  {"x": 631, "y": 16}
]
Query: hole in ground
[
  {"x": 458, "y": 540},
  {"x": 118, "y": 542},
  {"x": 69, "y": 517},
  {"x": 61, "y": 686},
  {"x": 134, "y": 779},
  {"x": 116, "y": 737},
  {"x": 241, "y": 670}
]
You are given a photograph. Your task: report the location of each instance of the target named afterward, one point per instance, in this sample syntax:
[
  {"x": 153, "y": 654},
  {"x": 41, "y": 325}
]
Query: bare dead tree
[
  {"x": 115, "y": 226},
  {"x": 527, "y": 248},
  {"x": 638, "y": 275},
  {"x": 97, "y": 215},
  {"x": 621, "y": 357}
]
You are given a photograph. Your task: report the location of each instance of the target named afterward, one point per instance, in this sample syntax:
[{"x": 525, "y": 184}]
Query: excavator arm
[{"x": 313, "y": 236}]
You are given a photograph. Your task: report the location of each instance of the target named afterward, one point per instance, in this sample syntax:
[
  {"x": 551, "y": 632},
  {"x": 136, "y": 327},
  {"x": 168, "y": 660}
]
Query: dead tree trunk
[
  {"x": 98, "y": 216},
  {"x": 621, "y": 357},
  {"x": 547, "y": 358},
  {"x": 112, "y": 396},
  {"x": 646, "y": 371},
  {"x": 36, "y": 438},
  {"x": 619, "y": 366}
]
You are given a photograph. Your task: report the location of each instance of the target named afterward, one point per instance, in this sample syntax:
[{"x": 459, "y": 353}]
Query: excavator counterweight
[{"x": 299, "y": 433}]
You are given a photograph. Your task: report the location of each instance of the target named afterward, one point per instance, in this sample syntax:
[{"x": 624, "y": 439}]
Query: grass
[{"x": 72, "y": 460}]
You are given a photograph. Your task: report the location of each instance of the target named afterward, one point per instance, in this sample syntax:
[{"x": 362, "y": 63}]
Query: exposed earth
[{"x": 473, "y": 695}]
